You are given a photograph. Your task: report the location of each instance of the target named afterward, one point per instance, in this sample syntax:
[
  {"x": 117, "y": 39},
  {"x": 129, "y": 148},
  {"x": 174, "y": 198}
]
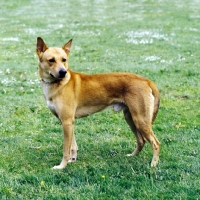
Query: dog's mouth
[{"x": 52, "y": 75}]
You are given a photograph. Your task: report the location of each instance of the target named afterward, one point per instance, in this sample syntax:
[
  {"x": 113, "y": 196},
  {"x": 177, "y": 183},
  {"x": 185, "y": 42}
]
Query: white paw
[
  {"x": 58, "y": 167},
  {"x": 129, "y": 155},
  {"x": 71, "y": 160},
  {"x": 154, "y": 164}
]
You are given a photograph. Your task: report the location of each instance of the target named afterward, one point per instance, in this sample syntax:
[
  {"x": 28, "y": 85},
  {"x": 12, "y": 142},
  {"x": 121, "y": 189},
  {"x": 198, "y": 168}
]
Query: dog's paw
[
  {"x": 129, "y": 155},
  {"x": 71, "y": 160},
  {"x": 154, "y": 163},
  {"x": 58, "y": 167}
]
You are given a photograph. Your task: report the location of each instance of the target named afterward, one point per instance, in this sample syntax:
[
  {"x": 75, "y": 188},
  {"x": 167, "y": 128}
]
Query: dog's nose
[{"x": 62, "y": 73}]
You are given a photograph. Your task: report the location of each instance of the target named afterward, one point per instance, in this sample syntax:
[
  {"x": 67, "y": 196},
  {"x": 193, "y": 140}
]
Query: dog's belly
[{"x": 88, "y": 110}]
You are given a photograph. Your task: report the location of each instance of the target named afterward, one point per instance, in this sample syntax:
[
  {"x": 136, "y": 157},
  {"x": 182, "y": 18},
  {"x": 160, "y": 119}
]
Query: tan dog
[{"x": 71, "y": 95}]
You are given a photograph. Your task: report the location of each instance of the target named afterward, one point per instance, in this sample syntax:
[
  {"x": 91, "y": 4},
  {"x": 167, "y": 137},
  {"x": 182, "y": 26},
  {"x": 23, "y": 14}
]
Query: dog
[{"x": 71, "y": 95}]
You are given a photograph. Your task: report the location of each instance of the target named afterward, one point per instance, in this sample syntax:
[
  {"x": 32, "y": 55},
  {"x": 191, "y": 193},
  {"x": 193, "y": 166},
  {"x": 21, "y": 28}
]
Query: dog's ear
[
  {"x": 67, "y": 47},
  {"x": 41, "y": 47}
]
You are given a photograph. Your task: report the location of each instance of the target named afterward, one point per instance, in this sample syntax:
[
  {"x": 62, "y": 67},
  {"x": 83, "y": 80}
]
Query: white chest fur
[
  {"x": 48, "y": 98},
  {"x": 51, "y": 106}
]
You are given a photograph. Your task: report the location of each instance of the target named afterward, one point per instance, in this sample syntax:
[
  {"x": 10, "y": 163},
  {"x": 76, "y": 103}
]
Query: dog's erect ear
[
  {"x": 41, "y": 47},
  {"x": 67, "y": 47}
]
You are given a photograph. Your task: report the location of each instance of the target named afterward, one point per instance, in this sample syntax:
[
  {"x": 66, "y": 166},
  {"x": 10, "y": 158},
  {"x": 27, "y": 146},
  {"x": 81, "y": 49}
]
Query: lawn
[{"x": 157, "y": 39}]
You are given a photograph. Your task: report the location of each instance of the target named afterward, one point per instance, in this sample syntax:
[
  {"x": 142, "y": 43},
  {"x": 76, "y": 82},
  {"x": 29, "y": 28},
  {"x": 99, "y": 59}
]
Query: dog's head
[{"x": 53, "y": 61}]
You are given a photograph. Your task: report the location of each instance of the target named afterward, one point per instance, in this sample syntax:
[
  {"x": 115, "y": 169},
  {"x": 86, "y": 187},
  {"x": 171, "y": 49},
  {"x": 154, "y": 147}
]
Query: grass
[{"x": 157, "y": 39}]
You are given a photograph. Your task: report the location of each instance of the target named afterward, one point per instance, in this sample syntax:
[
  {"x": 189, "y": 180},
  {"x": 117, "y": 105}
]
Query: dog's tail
[{"x": 156, "y": 95}]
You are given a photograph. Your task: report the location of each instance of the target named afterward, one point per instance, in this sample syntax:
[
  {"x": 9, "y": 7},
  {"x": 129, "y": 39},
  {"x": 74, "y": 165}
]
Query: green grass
[{"x": 157, "y": 39}]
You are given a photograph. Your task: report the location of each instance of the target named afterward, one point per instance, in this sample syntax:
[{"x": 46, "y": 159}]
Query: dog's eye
[
  {"x": 51, "y": 60},
  {"x": 64, "y": 59}
]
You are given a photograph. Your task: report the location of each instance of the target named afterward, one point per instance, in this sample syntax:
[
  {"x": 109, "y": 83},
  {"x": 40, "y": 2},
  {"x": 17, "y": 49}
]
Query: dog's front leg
[
  {"x": 73, "y": 150},
  {"x": 68, "y": 130}
]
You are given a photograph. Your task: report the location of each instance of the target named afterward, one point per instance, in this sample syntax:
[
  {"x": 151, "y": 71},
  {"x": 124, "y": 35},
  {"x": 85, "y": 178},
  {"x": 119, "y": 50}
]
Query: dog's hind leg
[
  {"x": 140, "y": 139},
  {"x": 148, "y": 133},
  {"x": 142, "y": 116},
  {"x": 73, "y": 150},
  {"x": 144, "y": 126}
]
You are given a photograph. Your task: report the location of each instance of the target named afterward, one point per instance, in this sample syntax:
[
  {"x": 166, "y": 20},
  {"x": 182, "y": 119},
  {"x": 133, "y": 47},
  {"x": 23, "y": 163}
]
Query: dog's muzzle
[{"x": 61, "y": 74}]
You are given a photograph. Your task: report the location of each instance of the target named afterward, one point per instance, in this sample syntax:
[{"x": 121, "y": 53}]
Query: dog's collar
[{"x": 56, "y": 81}]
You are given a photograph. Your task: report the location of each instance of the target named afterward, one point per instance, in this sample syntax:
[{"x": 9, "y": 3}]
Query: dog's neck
[{"x": 50, "y": 83}]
